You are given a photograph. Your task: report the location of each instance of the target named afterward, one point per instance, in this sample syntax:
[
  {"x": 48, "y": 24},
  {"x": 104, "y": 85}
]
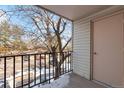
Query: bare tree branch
[
  {"x": 38, "y": 27},
  {"x": 66, "y": 44},
  {"x": 63, "y": 28},
  {"x": 40, "y": 37}
]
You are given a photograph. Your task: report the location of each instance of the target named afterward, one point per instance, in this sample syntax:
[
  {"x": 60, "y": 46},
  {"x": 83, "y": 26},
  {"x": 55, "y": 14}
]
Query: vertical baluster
[
  {"x": 29, "y": 71},
  {"x": 59, "y": 58},
  {"x": 71, "y": 64},
  {"x": 45, "y": 67},
  {"x": 63, "y": 62},
  {"x": 34, "y": 69},
  {"x": 68, "y": 61},
  {"x": 53, "y": 63},
  {"x": 14, "y": 72},
  {"x": 49, "y": 67},
  {"x": 40, "y": 68},
  {"x": 4, "y": 72},
  {"x": 22, "y": 70}
]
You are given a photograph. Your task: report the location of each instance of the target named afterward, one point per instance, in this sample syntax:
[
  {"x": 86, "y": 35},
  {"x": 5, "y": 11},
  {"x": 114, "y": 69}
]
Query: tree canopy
[{"x": 11, "y": 37}]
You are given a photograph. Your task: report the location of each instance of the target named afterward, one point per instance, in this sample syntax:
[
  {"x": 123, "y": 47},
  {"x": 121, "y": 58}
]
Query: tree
[
  {"x": 48, "y": 30},
  {"x": 51, "y": 28},
  {"x": 10, "y": 37},
  {"x": 54, "y": 42}
]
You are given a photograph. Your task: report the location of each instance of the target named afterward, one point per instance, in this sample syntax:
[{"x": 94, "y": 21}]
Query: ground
[{"x": 71, "y": 80}]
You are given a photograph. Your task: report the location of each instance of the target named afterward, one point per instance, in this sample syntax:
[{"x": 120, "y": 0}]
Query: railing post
[
  {"x": 29, "y": 71},
  {"x": 71, "y": 64},
  {"x": 53, "y": 63},
  {"x": 14, "y": 72},
  {"x": 22, "y": 70},
  {"x": 68, "y": 61},
  {"x": 35, "y": 69},
  {"x": 45, "y": 67},
  {"x": 4, "y": 72},
  {"x": 60, "y": 60},
  {"x": 49, "y": 67},
  {"x": 63, "y": 63},
  {"x": 40, "y": 68}
]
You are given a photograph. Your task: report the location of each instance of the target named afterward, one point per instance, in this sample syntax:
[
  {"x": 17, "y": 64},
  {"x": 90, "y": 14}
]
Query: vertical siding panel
[{"x": 81, "y": 48}]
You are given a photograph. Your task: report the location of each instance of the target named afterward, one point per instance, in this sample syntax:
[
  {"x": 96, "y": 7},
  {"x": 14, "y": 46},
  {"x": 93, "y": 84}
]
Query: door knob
[{"x": 94, "y": 53}]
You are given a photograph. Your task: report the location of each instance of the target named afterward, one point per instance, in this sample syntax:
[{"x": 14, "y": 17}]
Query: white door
[{"x": 108, "y": 63}]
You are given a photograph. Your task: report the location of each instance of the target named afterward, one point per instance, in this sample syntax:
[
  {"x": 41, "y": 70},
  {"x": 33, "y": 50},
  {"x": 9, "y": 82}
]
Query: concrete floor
[{"x": 77, "y": 81}]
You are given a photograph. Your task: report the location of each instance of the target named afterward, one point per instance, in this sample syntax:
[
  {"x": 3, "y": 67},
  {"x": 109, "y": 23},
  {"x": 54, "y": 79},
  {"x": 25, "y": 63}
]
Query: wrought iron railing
[{"x": 29, "y": 70}]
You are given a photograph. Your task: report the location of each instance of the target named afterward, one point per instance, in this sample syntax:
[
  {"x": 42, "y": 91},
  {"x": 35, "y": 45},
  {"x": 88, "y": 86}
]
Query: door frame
[{"x": 92, "y": 42}]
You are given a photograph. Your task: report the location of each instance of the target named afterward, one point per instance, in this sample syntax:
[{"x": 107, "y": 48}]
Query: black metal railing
[{"x": 29, "y": 70}]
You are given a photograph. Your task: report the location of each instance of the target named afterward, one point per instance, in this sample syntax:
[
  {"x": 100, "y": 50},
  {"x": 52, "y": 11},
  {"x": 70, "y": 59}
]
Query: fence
[{"x": 32, "y": 69}]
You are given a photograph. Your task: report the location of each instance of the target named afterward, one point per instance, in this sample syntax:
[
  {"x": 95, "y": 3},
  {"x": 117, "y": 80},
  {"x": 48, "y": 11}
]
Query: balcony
[
  {"x": 30, "y": 70},
  {"x": 86, "y": 65},
  {"x": 33, "y": 70}
]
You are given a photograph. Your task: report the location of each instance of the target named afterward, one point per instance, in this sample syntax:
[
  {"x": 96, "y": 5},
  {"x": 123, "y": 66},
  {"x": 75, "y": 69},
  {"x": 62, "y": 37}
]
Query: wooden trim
[
  {"x": 72, "y": 36},
  {"x": 91, "y": 48},
  {"x": 123, "y": 31},
  {"x": 102, "y": 13},
  {"x": 108, "y": 15},
  {"x": 72, "y": 44},
  {"x": 102, "y": 83},
  {"x": 123, "y": 40}
]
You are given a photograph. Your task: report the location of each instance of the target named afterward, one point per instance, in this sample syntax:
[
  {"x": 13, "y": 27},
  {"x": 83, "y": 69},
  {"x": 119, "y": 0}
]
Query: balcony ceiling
[{"x": 74, "y": 12}]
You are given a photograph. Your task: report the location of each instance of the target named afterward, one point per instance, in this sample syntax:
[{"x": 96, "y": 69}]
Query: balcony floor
[{"x": 77, "y": 81}]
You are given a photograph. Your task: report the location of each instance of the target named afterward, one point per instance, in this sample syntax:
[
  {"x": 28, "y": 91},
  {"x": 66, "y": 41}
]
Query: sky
[
  {"x": 14, "y": 18},
  {"x": 25, "y": 22},
  {"x": 8, "y": 8}
]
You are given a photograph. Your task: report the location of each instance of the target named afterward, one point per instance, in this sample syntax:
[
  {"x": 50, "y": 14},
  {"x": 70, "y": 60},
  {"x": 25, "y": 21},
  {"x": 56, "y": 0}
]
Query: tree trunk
[
  {"x": 57, "y": 72},
  {"x": 58, "y": 64}
]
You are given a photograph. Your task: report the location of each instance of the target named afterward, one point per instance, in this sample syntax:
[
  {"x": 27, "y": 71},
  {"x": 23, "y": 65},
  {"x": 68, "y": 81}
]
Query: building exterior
[{"x": 98, "y": 42}]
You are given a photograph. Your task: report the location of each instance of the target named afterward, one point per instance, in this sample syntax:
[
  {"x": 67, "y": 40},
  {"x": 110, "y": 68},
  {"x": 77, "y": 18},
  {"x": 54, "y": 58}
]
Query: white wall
[
  {"x": 81, "y": 41},
  {"x": 81, "y": 48}
]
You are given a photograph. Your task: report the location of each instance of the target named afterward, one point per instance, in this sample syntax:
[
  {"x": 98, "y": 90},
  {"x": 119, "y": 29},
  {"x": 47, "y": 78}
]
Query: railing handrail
[{"x": 32, "y": 54}]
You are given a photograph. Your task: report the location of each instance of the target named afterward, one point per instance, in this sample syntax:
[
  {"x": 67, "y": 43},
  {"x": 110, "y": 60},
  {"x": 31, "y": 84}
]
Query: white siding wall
[
  {"x": 81, "y": 48},
  {"x": 81, "y": 41}
]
